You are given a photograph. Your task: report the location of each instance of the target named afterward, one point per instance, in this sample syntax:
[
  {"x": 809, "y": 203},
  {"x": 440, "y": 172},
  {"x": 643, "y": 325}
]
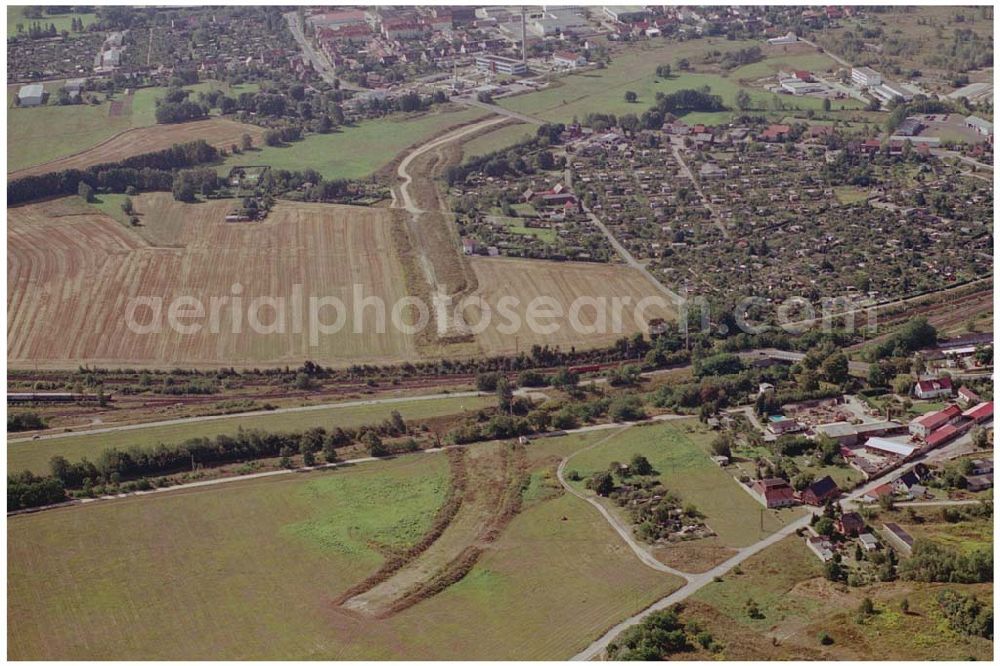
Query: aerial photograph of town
[{"x": 500, "y": 332}]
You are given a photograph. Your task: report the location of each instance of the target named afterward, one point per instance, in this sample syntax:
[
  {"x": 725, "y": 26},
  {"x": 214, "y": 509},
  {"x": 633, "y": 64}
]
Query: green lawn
[
  {"x": 678, "y": 451},
  {"x": 15, "y": 16},
  {"x": 355, "y": 152},
  {"x": 767, "y": 578},
  {"x": 634, "y": 70},
  {"x": 35, "y": 455},
  {"x": 250, "y": 570},
  {"x": 498, "y": 139}
]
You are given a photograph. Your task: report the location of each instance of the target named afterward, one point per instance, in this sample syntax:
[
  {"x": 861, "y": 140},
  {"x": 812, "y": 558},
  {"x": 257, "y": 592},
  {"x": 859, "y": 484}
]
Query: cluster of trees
[
  {"x": 24, "y": 421},
  {"x": 740, "y": 57},
  {"x": 687, "y": 100},
  {"x": 933, "y": 563},
  {"x": 188, "y": 183},
  {"x": 657, "y": 637},
  {"x": 180, "y": 112},
  {"x": 279, "y": 136},
  {"x": 150, "y": 172},
  {"x": 26, "y": 490},
  {"x": 966, "y": 613},
  {"x": 915, "y": 334}
]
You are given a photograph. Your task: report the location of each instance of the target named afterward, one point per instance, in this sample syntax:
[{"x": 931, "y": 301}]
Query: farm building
[
  {"x": 865, "y": 77},
  {"x": 976, "y": 484},
  {"x": 980, "y": 413},
  {"x": 774, "y": 493},
  {"x": 926, "y": 424},
  {"x": 887, "y": 447},
  {"x": 928, "y": 389},
  {"x": 898, "y": 538},
  {"x": 820, "y": 492},
  {"x": 31, "y": 95},
  {"x": 984, "y": 127},
  {"x": 967, "y": 396},
  {"x": 847, "y": 433},
  {"x": 783, "y": 426},
  {"x": 789, "y": 38}
]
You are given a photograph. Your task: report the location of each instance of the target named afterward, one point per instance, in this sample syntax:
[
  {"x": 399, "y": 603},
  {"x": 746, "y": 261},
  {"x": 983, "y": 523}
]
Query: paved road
[
  {"x": 697, "y": 188},
  {"x": 319, "y": 61},
  {"x": 261, "y": 412},
  {"x": 501, "y": 111}
]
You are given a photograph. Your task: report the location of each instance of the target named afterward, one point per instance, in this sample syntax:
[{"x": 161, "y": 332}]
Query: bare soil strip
[{"x": 491, "y": 497}]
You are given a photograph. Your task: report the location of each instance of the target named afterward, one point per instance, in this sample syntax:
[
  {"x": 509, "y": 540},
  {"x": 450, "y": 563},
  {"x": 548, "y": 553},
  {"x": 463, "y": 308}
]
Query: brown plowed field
[
  {"x": 218, "y": 132},
  {"x": 566, "y": 281},
  {"x": 71, "y": 272}
]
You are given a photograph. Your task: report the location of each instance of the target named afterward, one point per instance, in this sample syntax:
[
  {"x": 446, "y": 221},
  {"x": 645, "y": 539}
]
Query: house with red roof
[
  {"x": 968, "y": 397},
  {"x": 820, "y": 492},
  {"x": 774, "y": 493},
  {"x": 850, "y": 524},
  {"x": 928, "y": 423},
  {"x": 875, "y": 493},
  {"x": 775, "y": 133},
  {"x": 928, "y": 389}
]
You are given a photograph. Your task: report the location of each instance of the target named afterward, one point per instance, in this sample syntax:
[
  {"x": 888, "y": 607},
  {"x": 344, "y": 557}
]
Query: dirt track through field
[
  {"x": 490, "y": 496},
  {"x": 218, "y": 132}
]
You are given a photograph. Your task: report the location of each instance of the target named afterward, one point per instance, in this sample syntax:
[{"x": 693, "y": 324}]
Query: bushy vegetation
[
  {"x": 657, "y": 637},
  {"x": 26, "y": 490},
  {"x": 24, "y": 421},
  {"x": 933, "y": 563},
  {"x": 966, "y": 613}
]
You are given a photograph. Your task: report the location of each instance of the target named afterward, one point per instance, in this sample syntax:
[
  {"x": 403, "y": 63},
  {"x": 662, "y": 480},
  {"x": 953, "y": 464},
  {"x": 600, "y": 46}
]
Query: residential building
[
  {"x": 822, "y": 546},
  {"x": 783, "y": 426},
  {"x": 850, "y": 524},
  {"x": 568, "y": 59},
  {"x": 774, "y": 493},
  {"x": 877, "y": 492},
  {"x": 928, "y": 389},
  {"x": 865, "y": 77},
  {"x": 820, "y": 492},
  {"x": 967, "y": 396}
]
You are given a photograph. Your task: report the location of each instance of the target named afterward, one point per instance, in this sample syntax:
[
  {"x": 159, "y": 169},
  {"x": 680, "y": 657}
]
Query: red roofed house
[
  {"x": 943, "y": 434},
  {"x": 803, "y": 75},
  {"x": 926, "y": 424},
  {"x": 927, "y": 389},
  {"x": 871, "y": 146},
  {"x": 878, "y": 491},
  {"x": 980, "y": 413},
  {"x": 774, "y": 493},
  {"x": 568, "y": 59},
  {"x": 775, "y": 133},
  {"x": 967, "y": 396}
]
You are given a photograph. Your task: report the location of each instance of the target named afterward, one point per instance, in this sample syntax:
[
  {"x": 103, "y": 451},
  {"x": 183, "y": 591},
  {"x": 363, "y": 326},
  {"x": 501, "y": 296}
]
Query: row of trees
[{"x": 150, "y": 171}]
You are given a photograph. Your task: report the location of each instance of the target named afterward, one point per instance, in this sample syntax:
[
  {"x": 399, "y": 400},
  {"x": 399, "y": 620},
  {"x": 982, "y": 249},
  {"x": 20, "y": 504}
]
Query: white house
[{"x": 568, "y": 59}]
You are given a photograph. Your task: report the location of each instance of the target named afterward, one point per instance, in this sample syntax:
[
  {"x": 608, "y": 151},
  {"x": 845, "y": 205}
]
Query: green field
[
  {"x": 498, "y": 139},
  {"x": 41, "y": 134},
  {"x": 250, "y": 570},
  {"x": 15, "y": 15},
  {"x": 355, "y": 152},
  {"x": 35, "y": 455},
  {"x": 678, "y": 451},
  {"x": 604, "y": 90}
]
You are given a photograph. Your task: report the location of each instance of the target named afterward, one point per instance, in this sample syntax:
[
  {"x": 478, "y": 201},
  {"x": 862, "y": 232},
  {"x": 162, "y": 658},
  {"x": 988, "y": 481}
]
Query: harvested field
[
  {"x": 73, "y": 269},
  {"x": 528, "y": 279},
  {"x": 219, "y": 132}
]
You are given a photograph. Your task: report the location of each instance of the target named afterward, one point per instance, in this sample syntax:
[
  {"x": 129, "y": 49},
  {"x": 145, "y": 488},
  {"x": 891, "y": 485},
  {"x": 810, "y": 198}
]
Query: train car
[{"x": 17, "y": 398}]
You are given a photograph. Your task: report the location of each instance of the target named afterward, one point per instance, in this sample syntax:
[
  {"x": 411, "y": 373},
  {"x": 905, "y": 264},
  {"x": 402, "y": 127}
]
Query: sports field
[
  {"x": 603, "y": 91},
  {"x": 356, "y": 151},
  {"x": 35, "y": 455},
  {"x": 71, "y": 267},
  {"x": 218, "y": 132},
  {"x": 678, "y": 450},
  {"x": 249, "y": 571},
  {"x": 561, "y": 283}
]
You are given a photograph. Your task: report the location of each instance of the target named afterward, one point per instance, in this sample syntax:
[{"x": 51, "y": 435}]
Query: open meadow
[
  {"x": 38, "y": 135},
  {"x": 603, "y": 90},
  {"x": 252, "y": 571},
  {"x": 356, "y": 151},
  {"x": 71, "y": 267},
  {"x": 34, "y": 455},
  {"x": 565, "y": 282}
]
